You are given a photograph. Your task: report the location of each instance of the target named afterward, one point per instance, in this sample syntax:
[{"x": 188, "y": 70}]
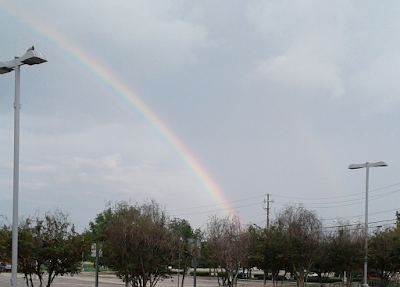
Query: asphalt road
[{"x": 86, "y": 279}]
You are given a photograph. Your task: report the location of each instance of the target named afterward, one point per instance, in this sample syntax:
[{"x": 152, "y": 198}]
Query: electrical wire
[
  {"x": 334, "y": 197},
  {"x": 355, "y": 201},
  {"x": 217, "y": 210},
  {"x": 217, "y": 204},
  {"x": 374, "y": 213},
  {"x": 360, "y": 224},
  {"x": 336, "y": 204}
]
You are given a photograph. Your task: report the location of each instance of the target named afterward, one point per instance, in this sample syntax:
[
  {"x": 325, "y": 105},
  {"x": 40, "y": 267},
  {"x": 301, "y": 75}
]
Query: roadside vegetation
[{"x": 142, "y": 245}]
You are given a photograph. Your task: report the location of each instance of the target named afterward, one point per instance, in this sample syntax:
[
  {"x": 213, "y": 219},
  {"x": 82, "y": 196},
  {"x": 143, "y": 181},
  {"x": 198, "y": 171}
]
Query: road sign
[{"x": 93, "y": 251}]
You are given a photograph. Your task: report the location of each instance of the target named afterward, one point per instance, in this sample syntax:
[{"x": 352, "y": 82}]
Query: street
[{"x": 87, "y": 279}]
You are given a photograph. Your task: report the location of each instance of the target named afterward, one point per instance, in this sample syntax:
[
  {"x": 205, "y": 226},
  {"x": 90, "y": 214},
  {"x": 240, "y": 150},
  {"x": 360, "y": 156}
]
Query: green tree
[
  {"x": 49, "y": 243},
  {"x": 323, "y": 264},
  {"x": 275, "y": 251},
  {"x": 137, "y": 242},
  {"x": 383, "y": 253},
  {"x": 303, "y": 230},
  {"x": 182, "y": 232},
  {"x": 256, "y": 245},
  {"x": 346, "y": 252},
  {"x": 88, "y": 239},
  {"x": 5, "y": 242},
  {"x": 205, "y": 260},
  {"x": 59, "y": 247},
  {"x": 28, "y": 251},
  {"x": 96, "y": 233}
]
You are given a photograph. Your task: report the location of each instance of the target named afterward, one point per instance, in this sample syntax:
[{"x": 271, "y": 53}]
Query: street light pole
[
  {"x": 366, "y": 227},
  {"x": 17, "y": 107},
  {"x": 179, "y": 259},
  {"x": 31, "y": 57},
  {"x": 367, "y": 165}
]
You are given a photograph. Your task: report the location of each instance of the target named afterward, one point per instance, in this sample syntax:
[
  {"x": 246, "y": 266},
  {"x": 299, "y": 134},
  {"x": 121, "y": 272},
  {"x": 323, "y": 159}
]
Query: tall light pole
[
  {"x": 31, "y": 57},
  {"x": 367, "y": 165}
]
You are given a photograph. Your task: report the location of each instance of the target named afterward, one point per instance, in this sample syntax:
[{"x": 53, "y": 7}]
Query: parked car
[
  {"x": 306, "y": 274},
  {"x": 5, "y": 266},
  {"x": 242, "y": 271},
  {"x": 373, "y": 273}
]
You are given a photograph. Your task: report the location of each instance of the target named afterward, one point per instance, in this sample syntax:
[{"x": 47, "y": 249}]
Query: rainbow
[{"x": 121, "y": 89}]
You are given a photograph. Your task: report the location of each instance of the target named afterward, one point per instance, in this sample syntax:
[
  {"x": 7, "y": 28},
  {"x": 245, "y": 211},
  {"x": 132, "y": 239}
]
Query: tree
[
  {"x": 58, "y": 246},
  {"x": 323, "y": 264},
  {"x": 228, "y": 245},
  {"x": 383, "y": 253},
  {"x": 256, "y": 245},
  {"x": 28, "y": 250},
  {"x": 205, "y": 260},
  {"x": 303, "y": 230},
  {"x": 50, "y": 242},
  {"x": 182, "y": 232},
  {"x": 5, "y": 242},
  {"x": 137, "y": 242},
  {"x": 275, "y": 251},
  {"x": 346, "y": 249}
]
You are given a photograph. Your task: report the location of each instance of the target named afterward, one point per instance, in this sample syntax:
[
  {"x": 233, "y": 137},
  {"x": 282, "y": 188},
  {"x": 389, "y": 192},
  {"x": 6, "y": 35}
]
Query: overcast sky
[{"x": 274, "y": 97}]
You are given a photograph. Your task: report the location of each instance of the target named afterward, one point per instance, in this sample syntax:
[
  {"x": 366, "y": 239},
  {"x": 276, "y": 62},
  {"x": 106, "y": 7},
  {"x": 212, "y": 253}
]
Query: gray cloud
[{"x": 276, "y": 97}]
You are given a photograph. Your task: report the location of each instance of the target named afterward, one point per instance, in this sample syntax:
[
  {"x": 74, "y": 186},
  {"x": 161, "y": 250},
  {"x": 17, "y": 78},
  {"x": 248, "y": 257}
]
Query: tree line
[{"x": 140, "y": 242}]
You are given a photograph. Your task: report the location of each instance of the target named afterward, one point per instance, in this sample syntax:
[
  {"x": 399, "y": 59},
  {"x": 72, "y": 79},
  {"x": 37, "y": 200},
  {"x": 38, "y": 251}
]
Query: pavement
[{"x": 86, "y": 279}]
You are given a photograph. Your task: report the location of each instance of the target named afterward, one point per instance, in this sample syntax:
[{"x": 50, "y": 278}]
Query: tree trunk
[{"x": 183, "y": 275}]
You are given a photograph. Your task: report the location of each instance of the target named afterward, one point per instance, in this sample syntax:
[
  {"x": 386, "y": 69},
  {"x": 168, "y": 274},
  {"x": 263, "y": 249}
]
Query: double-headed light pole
[
  {"x": 367, "y": 165},
  {"x": 31, "y": 57}
]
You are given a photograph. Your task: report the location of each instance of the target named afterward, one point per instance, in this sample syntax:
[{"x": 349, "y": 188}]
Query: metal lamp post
[
  {"x": 367, "y": 165},
  {"x": 31, "y": 57}
]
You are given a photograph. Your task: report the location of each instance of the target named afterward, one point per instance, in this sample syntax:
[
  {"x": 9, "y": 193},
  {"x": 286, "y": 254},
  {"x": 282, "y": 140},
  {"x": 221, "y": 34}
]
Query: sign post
[
  {"x": 96, "y": 252},
  {"x": 195, "y": 248}
]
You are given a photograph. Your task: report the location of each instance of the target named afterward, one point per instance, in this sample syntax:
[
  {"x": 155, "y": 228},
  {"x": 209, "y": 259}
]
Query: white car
[{"x": 5, "y": 266}]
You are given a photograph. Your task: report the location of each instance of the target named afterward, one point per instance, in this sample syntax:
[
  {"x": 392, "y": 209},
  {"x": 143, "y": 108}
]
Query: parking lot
[{"x": 87, "y": 279}]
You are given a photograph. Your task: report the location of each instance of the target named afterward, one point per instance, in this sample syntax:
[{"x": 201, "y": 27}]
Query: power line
[
  {"x": 216, "y": 210},
  {"x": 355, "y": 201},
  {"x": 335, "y": 197},
  {"x": 336, "y": 204},
  {"x": 359, "y": 224},
  {"x": 374, "y": 213},
  {"x": 217, "y": 204}
]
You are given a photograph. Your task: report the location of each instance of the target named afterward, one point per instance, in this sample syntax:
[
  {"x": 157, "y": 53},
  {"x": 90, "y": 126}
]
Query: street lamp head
[
  {"x": 368, "y": 164},
  {"x": 379, "y": 163},
  {"x": 4, "y": 68},
  {"x": 357, "y": 166},
  {"x": 33, "y": 57}
]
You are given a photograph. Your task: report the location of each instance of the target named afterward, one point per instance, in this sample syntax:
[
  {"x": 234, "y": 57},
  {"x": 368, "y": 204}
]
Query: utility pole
[{"x": 266, "y": 206}]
